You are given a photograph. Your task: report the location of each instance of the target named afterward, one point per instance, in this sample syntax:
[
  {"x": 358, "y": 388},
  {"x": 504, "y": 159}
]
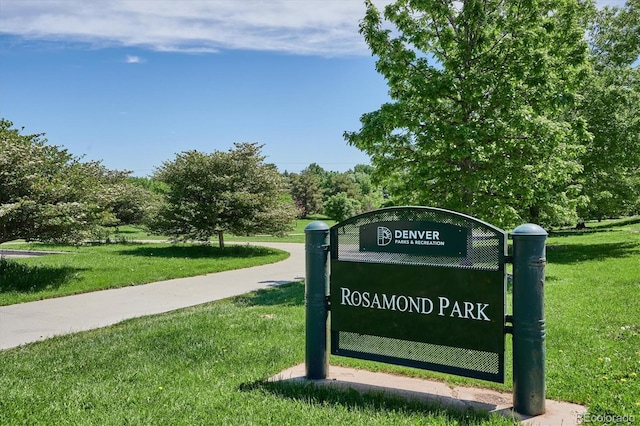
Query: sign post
[
  {"x": 316, "y": 286},
  {"x": 529, "y": 353}
]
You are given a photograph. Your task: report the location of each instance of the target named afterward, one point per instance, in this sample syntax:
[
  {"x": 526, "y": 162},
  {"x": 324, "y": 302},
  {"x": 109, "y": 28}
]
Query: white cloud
[
  {"x": 134, "y": 59},
  {"x": 320, "y": 27},
  {"x": 325, "y": 27}
]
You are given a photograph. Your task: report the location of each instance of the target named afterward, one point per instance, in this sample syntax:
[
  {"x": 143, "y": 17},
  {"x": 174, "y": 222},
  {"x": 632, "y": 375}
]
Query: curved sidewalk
[{"x": 29, "y": 322}]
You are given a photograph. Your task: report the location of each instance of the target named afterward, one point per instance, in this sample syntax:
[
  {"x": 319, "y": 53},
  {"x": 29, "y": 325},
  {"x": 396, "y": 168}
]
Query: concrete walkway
[{"x": 28, "y": 322}]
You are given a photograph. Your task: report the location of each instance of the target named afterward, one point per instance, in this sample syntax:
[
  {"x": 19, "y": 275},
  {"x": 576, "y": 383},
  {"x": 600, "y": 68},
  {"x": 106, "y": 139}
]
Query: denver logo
[{"x": 384, "y": 236}]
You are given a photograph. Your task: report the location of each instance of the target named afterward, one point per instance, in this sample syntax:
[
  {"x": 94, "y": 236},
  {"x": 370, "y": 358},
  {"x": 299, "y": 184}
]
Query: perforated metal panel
[
  {"x": 445, "y": 359},
  {"x": 451, "y": 267},
  {"x": 485, "y": 244}
]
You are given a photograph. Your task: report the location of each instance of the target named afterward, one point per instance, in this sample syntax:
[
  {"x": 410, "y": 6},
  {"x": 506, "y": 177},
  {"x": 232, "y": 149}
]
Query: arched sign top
[
  {"x": 417, "y": 209},
  {"x": 419, "y": 236}
]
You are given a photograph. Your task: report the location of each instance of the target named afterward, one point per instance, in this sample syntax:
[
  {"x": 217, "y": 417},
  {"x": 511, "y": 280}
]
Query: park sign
[
  {"x": 421, "y": 287},
  {"x": 426, "y": 288}
]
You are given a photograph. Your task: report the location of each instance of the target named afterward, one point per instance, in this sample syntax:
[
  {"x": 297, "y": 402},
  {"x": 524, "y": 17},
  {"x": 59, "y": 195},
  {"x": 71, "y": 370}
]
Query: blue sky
[{"x": 133, "y": 82}]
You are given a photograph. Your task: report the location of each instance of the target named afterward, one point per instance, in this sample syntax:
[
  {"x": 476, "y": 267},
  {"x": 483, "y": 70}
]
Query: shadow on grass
[
  {"x": 613, "y": 226},
  {"x": 568, "y": 254},
  {"x": 18, "y": 277},
  {"x": 352, "y": 399},
  {"x": 121, "y": 231},
  {"x": 579, "y": 232},
  {"x": 290, "y": 294},
  {"x": 199, "y": 251},
  {"x": 621, "y": 222}
]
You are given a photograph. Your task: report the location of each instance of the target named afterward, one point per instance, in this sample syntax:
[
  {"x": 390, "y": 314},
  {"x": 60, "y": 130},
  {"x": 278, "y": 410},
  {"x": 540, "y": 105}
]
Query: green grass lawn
[
  {"x": 593, "y": 318},
  {"x": 204, "y": 365},
  {"x": 209, "y": 364},
  {"x": 101, "y": 266}
]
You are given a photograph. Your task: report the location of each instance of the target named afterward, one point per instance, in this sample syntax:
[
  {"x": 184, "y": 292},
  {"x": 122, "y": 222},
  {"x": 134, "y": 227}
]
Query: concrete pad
[{"x": 458, "y": 397}]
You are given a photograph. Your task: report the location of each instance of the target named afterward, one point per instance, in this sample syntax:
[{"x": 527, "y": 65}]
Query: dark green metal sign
[{"x": 420, "y": 287}]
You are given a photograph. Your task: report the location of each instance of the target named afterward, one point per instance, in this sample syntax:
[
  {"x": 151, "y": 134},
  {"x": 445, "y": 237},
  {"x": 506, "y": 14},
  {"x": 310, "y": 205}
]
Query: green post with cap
[
  {"x": 316, "y": 291},
  {"x": 529, "y": 353}
]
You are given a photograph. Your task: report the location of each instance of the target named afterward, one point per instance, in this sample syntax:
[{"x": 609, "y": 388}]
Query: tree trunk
[
  {"x": 534, "y": 214},
  {"x": 220, "y": 239}
]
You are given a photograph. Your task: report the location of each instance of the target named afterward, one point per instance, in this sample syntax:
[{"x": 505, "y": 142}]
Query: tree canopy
[
  {"x": 47, "y": 194},
  {"x": 610, "y": 104},
  {"x": 307, "y": 192},
  {"x": 340, "y": 206},
  {"x": 134, "y": 202},
  {"x": 483, "y": 117},
  {"x": 233, "y": 191},
  {"x": 338, "y": 195}
]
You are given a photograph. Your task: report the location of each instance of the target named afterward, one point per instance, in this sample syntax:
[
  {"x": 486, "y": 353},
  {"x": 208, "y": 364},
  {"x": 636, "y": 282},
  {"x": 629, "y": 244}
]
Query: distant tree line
[
  {"x": 49, "y": 195},
  {"x": 334, "y": 194}
]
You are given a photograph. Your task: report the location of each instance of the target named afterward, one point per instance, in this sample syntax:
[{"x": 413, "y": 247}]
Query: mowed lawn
[
  {"x": 593, "y": 318},
  {"x": 209, "y": 364},
  {"x": 101, "y": 266}
]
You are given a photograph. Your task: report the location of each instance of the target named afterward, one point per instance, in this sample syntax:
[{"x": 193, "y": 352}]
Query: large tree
[
  {"x": 47, "y": 194},
  {"x": 610, "y": 104},
  {"x": 340, "y": 207},
  {"x": 133, "y": 202},
  {"x": 233, "y": 191},
  {"x": 306, "y": 191},
  {"x": 481, "y": 115}
]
